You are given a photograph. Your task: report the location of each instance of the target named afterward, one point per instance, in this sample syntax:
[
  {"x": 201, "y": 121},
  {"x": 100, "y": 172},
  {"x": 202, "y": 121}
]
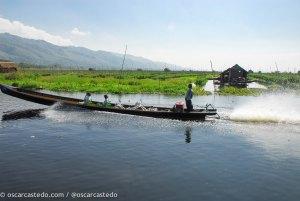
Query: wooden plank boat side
[
  {"x": 48, "y": 99},
  {"x": 25, "y": 96}
]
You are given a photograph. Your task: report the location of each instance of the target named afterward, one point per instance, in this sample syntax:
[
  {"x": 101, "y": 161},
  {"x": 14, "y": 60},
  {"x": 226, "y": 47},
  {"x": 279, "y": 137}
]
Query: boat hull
[{"x": 48, "y": 99}]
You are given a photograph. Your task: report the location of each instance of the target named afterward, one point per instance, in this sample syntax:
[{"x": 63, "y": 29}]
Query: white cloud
[
  {"x": 171, "y": 26},
  {"x": 76, "y": 32},
  {"x": 20, "y": 29}
]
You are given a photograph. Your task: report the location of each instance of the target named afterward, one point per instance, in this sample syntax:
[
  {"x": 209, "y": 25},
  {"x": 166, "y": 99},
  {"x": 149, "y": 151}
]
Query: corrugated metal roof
[{"x": 7, "y": 64}]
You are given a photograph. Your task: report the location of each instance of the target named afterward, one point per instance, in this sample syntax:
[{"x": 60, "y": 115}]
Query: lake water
[
  {"x": 211, "y": 87},
  {"x": 251, "y": 153}
]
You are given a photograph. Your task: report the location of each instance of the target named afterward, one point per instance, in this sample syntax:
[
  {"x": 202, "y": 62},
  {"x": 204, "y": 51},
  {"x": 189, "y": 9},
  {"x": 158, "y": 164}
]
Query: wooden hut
[
  {"x": 7, "y": 66},
  {"x": 234, "y": 76}
]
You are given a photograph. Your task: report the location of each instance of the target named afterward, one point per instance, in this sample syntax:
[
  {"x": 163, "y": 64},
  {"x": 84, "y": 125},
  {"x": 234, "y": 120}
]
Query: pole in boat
[
  {"x": 212, "y": 70},
  {"x": 276, "y": 67},
  {"x": 122, "y": 70},
  {"x": 211, "y": 66},
  {"x": 124, "y": 58},
  {"x": 164, "y": 67},
  {"x": 123, "y": 63},
  {"x": 158, "y": 84}
]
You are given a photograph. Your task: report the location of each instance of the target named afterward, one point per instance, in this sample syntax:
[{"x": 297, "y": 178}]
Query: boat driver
[{"x": 188, "y": 98}]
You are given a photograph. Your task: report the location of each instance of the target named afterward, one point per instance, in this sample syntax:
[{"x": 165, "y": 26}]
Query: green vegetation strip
[
  {"x": 153, "y": 82},
  {"x": 226, "y": 91},
  {"x": 172, "y": 83},
  {"x": 278, "y": 80}
]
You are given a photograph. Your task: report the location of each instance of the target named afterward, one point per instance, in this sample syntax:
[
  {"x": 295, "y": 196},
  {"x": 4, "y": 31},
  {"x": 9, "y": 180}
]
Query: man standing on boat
[{"x": 188, "y": 98}]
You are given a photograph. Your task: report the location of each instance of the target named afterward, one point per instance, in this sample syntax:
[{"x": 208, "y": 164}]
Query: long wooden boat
[{"x": 148, "y": 111}]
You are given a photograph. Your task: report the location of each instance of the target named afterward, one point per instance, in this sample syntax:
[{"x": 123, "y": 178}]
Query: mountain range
[{"x": 39, "y": 52}]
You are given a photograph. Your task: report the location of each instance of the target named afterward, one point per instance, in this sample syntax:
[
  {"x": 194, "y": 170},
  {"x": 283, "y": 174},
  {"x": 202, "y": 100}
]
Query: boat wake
[{"x": 276, "y": 108}]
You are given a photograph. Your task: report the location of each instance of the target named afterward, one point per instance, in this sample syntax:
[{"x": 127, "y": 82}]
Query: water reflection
[
  {"x": 188, "y": 134},
  {"x": 22, "y": 114},
  {"x": 88, "y": 126}
]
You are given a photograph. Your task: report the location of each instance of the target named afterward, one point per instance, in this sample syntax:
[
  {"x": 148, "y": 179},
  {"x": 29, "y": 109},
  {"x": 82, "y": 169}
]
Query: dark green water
[{"x": 152, "y": 159}]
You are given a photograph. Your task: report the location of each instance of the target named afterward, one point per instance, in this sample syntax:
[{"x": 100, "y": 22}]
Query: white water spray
[{"x": 279, "y": 108}]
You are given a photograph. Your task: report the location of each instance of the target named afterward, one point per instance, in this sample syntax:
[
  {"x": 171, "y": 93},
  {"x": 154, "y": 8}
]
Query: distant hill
[{"x": 40, "y": 52}]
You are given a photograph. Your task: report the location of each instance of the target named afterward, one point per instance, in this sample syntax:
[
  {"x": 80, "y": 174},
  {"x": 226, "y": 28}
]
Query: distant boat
[{"x": 148, "y": 111}]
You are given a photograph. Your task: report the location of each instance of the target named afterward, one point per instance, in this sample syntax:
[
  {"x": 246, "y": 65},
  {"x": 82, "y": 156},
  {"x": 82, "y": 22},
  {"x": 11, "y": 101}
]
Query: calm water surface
[{"x": 251, "y": 153}]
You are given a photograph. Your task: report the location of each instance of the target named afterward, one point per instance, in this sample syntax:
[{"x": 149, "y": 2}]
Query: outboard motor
[{"x": 179, "y": 106}]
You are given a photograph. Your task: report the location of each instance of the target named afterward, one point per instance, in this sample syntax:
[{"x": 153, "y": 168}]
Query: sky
[{"x": 252, "y": 33}]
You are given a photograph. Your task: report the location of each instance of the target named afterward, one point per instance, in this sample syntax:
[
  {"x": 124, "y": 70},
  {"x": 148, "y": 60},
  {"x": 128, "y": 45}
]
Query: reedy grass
[
  {"x": 171, "y": 83},
  {"x": 133, "y": 82},
  {"x": 229, "y": 90},
  {"x": 278, "y": 80}
]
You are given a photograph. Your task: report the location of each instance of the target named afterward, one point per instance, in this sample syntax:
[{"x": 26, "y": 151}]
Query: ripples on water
[{"x": 144, "y": 158}]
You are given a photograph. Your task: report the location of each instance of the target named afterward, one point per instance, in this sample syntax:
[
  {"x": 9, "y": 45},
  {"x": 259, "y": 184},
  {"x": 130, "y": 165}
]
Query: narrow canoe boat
[{"x": 148, "y": 111}]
